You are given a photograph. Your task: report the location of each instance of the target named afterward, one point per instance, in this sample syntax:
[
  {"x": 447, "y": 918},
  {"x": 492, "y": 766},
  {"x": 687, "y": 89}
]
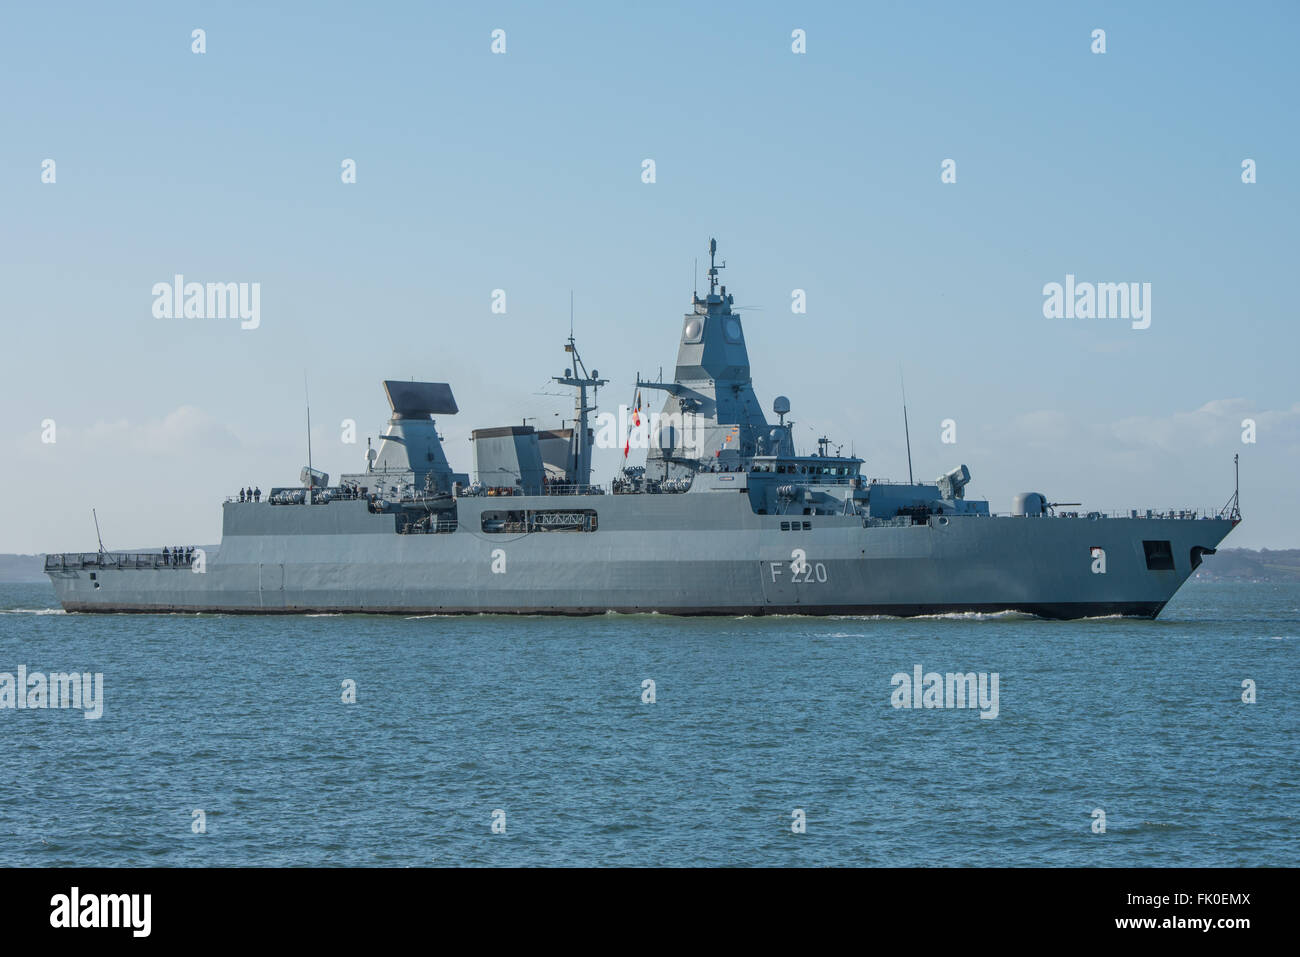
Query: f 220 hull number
[{"x": 801, "y": 570}]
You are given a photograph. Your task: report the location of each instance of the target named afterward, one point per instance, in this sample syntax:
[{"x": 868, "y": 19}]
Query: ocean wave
[{"x": 32, "y": 611}]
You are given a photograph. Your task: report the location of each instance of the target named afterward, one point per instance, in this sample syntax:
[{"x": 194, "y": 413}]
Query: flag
[{"x": 636, "y": 423}]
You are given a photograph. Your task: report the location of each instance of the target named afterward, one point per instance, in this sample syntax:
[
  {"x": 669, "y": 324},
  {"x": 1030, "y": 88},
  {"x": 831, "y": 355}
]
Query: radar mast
[{"x": 578, "y": 378}]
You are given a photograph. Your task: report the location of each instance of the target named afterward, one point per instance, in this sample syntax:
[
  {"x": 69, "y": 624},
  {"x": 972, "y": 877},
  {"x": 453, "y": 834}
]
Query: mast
[
  {"x": 1232, "y": 507},
  {"x": 906, "y": 434},
  {"x": 578, "y": 378},
  {"x": 306, "y": 394},
  {"x": 713, "y": 269}
]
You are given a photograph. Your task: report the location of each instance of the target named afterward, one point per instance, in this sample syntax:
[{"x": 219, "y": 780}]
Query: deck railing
[
  {"x": 1185, "y": 514},
  {"x": 79, "y": 560}
]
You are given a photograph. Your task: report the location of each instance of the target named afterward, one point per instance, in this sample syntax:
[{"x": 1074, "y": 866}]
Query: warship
[{"x": 724, "y": 518}]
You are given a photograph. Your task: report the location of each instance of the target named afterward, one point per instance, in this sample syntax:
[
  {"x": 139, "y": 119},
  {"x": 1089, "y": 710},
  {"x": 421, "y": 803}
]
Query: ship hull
[{"x": 684, "y": 554}]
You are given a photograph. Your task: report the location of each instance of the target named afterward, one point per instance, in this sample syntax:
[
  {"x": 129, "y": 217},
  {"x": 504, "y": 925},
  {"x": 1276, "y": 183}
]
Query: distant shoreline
[
  {"x": 1228, "y": 564},
  {"x": 1249, "y": 564}
]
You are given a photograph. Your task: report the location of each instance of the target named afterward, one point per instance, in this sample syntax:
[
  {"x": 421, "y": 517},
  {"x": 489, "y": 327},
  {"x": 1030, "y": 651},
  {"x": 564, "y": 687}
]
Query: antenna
[
  {"x": 570, "y": 313},
  {"x": 1232, "y": 507},
  {"x": 906, "y": 433},
  {"x": 97, "y": 535},
  {"x": 311, "y": 480},
  {"x": 307, "y": 397},
  {"x": 714, "y": 267}
]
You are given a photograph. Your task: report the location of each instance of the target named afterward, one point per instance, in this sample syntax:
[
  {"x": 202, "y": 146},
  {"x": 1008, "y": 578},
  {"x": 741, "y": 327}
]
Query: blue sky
[{"x": 522, "y": 172}]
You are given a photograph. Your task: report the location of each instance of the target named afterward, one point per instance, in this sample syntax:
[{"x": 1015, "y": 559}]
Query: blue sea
[{"x": 542, "y": 725}]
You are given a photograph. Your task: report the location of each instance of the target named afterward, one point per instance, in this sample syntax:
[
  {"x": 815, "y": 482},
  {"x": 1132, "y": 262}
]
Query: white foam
[{"x": 948, "y": 616}]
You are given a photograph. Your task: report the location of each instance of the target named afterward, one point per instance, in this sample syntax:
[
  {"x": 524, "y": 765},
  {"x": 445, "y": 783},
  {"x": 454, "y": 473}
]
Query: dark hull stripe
[{"x": 1054, "y": 610}]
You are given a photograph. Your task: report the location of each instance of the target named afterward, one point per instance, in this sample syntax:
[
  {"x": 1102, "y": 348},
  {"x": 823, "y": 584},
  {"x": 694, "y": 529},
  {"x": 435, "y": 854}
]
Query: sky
[{"x": 523, "y": 171}]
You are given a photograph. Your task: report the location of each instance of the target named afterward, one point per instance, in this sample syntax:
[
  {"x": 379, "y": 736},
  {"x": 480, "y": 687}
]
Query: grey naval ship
[{"x": 724, "y": 518}]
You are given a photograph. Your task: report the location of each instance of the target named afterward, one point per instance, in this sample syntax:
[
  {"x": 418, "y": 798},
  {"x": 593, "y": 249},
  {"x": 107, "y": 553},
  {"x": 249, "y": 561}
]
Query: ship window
[
  {"x": 785, "y": 526},
  {"x": 1160, "y": 556},
  {"x": 807, "y": 525}
]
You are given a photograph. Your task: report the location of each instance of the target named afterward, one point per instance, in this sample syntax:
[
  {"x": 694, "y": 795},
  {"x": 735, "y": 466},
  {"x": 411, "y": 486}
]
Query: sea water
[{"x": 654, "y": 740}]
